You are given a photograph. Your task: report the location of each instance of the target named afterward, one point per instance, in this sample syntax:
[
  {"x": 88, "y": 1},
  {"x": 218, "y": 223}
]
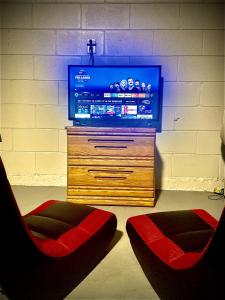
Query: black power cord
[
  {"x": 217, "y": 196},
  {"x": 91, "y": 50}
]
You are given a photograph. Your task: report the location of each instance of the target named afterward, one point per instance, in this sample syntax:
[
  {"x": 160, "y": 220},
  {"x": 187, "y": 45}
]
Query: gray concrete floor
[{"x": 118, "y": 275}]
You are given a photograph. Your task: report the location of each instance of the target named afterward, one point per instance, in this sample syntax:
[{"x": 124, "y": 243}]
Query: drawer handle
[
  {"x": 111, "y": 147},
  {"x": 111, "y": 171},
  {"x": 109, "y": 178},
  {"x": 110, "y": 140}
]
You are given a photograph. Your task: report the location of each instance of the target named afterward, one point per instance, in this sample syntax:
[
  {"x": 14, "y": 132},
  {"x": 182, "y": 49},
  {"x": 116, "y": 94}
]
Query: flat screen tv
[{"x": 115, "y": 96}]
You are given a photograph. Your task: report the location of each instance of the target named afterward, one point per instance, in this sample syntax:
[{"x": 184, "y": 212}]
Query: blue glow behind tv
[{"x": 121, "y": 96}]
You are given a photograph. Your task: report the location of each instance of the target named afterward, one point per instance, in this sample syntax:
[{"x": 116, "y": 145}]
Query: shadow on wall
[
  {"x": 223, "y": 151},
  {"x": 158, "y": 172},
  {"x": 222, "y": 135}
]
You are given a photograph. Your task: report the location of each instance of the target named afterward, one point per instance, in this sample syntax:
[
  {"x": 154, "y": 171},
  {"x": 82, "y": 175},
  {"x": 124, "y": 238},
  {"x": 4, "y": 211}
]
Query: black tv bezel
[{"x": 106, "y": 122}]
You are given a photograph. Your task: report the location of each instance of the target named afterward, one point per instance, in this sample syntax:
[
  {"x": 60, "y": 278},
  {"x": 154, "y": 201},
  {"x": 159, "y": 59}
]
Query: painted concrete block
[
  {"x": 51, "y": 163},
  {"x": 181, "y": 93},
  {"x": 7, "y": 140},
  {"x": 165, "y": 167},
  {"x": 201, "y": 68},
  {"x": 213, "y": 42},
  {"x": 178, "y": 42},
  {"x": 154, "y": 16},
  {"x": 212, "y": 94},
  {"x": 198, "y": 118},
  {"x": 62, "y": 141},
  {"x": 63, "y": 93},
  {"x": 19, "y": 163},
  {"x": 167, "y": 118},
  {"x": 51, "y": 116},
  {"x": 35, "y": 140},
  {"x": 202, "y": 16},
  {"x": 176, "y": 142},
  {"x": 56, "y": 15},
  {"x": 139, "y": 42},
  {"x": 77, "y": 1},
  {"x": 18, "y": 115},
  {"x": 16, "y": 15},
  {"x": 17, "y": 67},
  {"x": 193, "y": 165},
  {"x": 105, "y": 16},
  {"x": 28, "y": 41},
  {"x": 30, "y": 92},
  {"x": 208, "y": 142}
]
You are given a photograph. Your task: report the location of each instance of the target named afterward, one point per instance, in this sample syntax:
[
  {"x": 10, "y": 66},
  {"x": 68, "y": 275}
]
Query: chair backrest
[
  {"x": 15, "y": 238},
  {"x": 216, "y": 249}
]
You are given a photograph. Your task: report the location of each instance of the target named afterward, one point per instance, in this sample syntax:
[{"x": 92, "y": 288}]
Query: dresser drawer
[
  {"x": 110, "y": 176},
  {"x": 92, "y": 192},
  {"x": 111, "y": 146},
  {"x": 111, "y": 200},
  {"x": 110, "y": 161}
]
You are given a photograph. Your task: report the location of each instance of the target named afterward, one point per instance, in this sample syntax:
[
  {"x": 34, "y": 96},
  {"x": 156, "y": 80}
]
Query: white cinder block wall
[{"x": 39, "y": 40}]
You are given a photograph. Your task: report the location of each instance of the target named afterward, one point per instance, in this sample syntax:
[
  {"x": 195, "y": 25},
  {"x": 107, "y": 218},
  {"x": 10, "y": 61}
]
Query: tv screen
[{"x": 129, "y": 96}]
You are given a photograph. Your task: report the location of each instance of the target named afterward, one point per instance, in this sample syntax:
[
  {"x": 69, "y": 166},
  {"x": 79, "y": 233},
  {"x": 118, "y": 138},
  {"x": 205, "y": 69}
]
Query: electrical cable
[
  {"x": 91, "y": 59},
  {"x": 91, "y": 50},
  {"x": 216, "y": 196}
]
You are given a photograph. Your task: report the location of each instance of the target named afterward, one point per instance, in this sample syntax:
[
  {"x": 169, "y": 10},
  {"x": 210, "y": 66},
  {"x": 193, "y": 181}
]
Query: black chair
[
  {"x": 182, "y": 253},
  {"x": 49, "y": 251}
]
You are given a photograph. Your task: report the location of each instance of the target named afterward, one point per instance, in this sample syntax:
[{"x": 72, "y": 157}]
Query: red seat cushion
[
  {"x": 172, "y": 235},
  {"x": 58, "y": 228}
]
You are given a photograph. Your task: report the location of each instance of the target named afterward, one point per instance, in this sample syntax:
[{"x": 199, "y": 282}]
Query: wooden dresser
[{"x": 111, "y": 166}]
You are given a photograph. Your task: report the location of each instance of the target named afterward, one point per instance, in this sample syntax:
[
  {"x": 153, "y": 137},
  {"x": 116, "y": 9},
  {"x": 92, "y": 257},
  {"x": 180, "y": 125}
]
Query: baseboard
[{"x": 168, "y": 183}]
